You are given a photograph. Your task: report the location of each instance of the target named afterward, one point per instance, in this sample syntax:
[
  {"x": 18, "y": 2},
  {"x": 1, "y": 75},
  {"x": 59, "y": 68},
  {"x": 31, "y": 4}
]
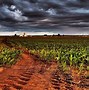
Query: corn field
[{"x": 67, "y": 52}]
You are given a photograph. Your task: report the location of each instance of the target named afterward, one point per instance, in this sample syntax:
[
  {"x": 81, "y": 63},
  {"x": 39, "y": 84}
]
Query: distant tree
[
  {"x": 53, "y": 35},
  {"x": 58, "y": 34},
  {"x": 45, "y": 34},
  {"x": 15, "y": 35}
]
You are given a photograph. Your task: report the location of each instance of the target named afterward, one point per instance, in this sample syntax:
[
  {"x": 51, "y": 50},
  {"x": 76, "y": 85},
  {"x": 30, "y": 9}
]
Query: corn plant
[{"x": 8, "y": 56}]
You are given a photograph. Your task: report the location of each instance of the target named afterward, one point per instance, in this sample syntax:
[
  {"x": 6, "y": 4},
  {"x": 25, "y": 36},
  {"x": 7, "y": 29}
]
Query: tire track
[
  {"x": 17, "y": 82},
  {"x": 84, "y": 83},
  {"x": 61, "y": 81},
  {"x": 56, "y": 80}
]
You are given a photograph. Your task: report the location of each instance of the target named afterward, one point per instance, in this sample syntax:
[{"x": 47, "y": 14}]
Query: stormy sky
[{"x": 44, "y": 17}]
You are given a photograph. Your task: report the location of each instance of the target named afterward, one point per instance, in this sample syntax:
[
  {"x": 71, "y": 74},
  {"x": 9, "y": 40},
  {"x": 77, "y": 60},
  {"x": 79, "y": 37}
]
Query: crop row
[{"x": 8, "y": 56}]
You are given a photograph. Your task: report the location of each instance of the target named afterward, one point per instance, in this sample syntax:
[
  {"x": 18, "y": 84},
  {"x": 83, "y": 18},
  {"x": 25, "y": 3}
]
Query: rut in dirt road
[
  {"x": 17, "y": 82},
  {"x": 60, "y": 81},
  {"x": 17, "y": 76},
  {"x": 22, "y": 76}
]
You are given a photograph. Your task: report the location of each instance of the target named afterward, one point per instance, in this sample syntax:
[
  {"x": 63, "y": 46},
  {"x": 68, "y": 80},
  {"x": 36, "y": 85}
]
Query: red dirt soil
[{"x": 32, "y": 74}]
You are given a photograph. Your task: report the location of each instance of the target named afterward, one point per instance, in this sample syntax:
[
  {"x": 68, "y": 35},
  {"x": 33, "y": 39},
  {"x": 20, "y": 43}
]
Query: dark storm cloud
[
  {"x": 21, "y": 10},
  {"x": 43, "y": 14}
]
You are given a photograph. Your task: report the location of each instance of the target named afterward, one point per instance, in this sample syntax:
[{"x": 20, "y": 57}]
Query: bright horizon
[{"x": 34, "y": 33}]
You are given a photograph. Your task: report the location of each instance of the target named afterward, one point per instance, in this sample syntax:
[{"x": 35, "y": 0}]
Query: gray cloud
[
  {"x": 43, "y": 15},
  {"x": 43, "y": 8}
]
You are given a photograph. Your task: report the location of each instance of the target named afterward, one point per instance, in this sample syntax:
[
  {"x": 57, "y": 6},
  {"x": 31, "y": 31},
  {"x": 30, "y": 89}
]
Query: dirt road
[{"x": 31, "y": 74}]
